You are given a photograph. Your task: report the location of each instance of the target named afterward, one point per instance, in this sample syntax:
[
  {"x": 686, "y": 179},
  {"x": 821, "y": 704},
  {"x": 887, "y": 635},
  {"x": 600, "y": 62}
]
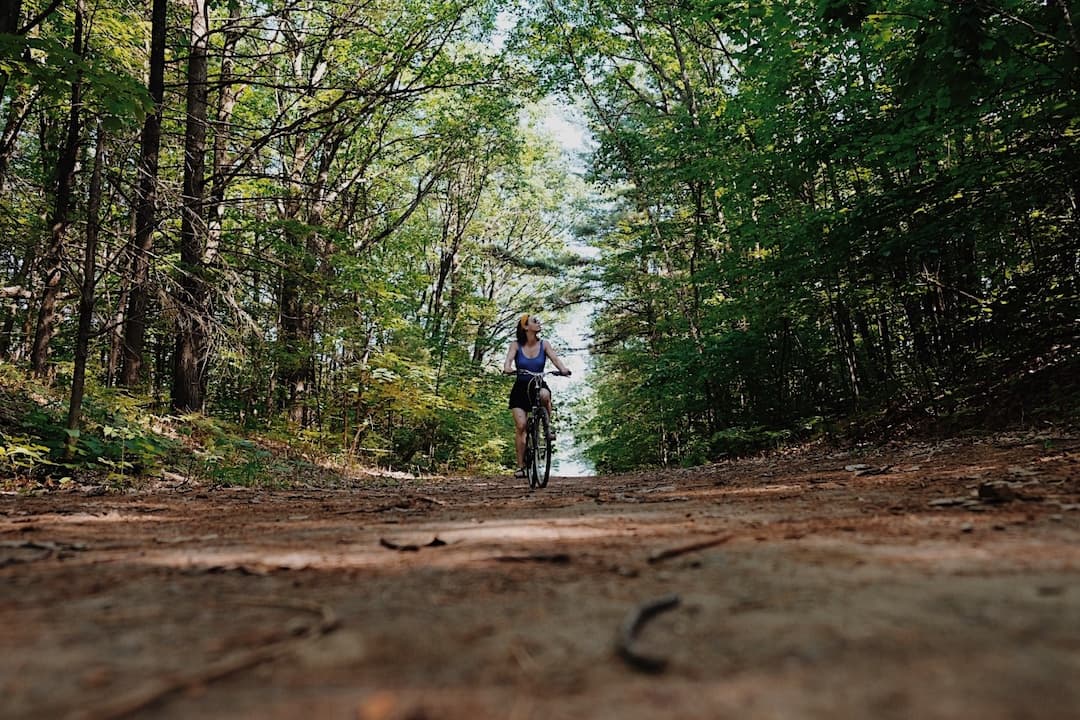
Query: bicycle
[{"x": 537, "y": 433}]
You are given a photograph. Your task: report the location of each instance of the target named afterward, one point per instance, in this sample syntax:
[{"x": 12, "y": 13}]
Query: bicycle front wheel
[
  {"x": 542, "y": 448},
  {"x": 530, "y": 452}
]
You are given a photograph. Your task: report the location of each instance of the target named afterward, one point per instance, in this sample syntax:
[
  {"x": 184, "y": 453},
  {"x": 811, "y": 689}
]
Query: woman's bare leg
[
  {"x": 545, "y": 400},
  {"x": 520, "y": 418}
]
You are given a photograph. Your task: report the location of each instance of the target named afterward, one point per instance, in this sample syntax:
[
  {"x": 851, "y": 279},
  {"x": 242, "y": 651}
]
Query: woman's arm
[
  {"x": 508, "y": 363},
  {"x": 555, "y": 358}
]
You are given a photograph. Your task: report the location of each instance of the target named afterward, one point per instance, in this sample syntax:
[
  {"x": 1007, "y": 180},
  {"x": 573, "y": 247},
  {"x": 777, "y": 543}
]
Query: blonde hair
[{"x": 519, "y": 331}]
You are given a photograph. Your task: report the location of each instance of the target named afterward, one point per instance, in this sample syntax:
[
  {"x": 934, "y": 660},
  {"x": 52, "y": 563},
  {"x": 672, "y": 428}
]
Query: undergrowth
[{"x": 122, "y": 444}]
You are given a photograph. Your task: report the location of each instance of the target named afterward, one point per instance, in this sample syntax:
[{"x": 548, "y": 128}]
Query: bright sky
[{"x": 568, "y": 128}]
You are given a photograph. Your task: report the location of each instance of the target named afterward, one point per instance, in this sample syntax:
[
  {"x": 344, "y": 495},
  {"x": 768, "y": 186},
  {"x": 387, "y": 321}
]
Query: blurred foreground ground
[{"x": 918, "y": 581}]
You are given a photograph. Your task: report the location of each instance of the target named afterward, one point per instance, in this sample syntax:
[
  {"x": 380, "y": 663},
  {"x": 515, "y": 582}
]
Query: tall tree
[
  {"x": 135, "y": 317},
  {"x": 191, "y": 353},
  {"x": 66, "y": 168},
  {"x": 87, "y": 297}
]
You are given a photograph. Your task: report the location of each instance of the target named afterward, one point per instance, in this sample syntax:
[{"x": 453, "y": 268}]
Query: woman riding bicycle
[{"x": 528, "y": 353}]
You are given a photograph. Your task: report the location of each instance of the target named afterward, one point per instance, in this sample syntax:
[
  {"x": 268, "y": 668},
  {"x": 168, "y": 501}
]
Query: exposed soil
[{"x": 919, "y": 581}]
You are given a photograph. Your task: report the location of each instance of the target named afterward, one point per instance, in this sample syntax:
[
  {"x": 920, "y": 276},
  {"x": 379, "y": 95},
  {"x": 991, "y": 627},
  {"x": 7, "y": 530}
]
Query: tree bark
[
  {"x": 215, "y": 211},
  {"x": 134, "y": 343},
  {"x": 190, "y": 355},
  {"x": 10, "y": 14},
  {"x": 86, "y": 300},
  {"x": 7, "y": 329},
  {"x": 297, "y": 367},
  {"x": 65, "y": 185},
  {"x": 19, "y": 108}
]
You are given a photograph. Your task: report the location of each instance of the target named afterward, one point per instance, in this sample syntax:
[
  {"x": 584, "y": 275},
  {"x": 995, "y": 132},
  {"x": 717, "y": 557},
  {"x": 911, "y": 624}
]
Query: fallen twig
[
  {"x": 409, "y": 547},
  {"x": 353, "y": 511},
  {"x": 557, "y": 558},
  {"x": 684, "y": 549},
  {"x": 141, "y": 698},
  {"x": 328, "y": 620},
  {"x": 391, "y": 545},
  {"x": 631, "y": 625}
]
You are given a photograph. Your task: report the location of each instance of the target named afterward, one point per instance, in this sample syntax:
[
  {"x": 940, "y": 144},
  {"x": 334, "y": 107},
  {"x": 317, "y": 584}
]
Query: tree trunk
[
  {"x": 215, "y": 211},
  {"x": 844, "y": 335},
  {"x": 481, "y": 343},
  {"x": 300, "y": 283},
  {"x": 447, "y": 265},
  {"x": 134, "y": 343},
  {"x": 10, "y": 14},
  {"x": 113, "y": 363},
  {"x": 86, "y": 300},
  {"x": 19, "y": 109},
  {"x": 10, "y": 17},
  {"x": 7, "y": 329},
  {"x": 65, "y": 185},
  {"x": 297, "y": 368},
  {"x": 190, "y": 356}
]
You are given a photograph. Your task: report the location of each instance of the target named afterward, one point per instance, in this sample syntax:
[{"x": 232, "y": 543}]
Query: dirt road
[{"x": 920, "y": 581}]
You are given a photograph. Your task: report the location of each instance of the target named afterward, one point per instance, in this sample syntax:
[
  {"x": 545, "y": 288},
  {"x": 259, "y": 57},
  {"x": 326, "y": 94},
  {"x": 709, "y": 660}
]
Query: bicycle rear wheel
[{"x": 542, "y": 445}]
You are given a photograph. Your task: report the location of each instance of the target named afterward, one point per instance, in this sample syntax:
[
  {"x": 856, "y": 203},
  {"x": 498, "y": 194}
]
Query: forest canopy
[
  {"x": 849, "y": 216},
  {"x": 319, "y": 220}
]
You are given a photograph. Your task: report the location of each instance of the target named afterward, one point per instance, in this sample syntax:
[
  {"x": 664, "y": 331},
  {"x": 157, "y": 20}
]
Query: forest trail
[{"x": 937, "y": 580}]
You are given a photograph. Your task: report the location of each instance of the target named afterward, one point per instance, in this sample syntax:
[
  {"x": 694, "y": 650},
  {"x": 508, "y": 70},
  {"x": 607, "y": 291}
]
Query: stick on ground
[
  {"x": 631, "y": 625},
  {"x": 694, "y": 547},
  {"x": 126, "y": 704}
]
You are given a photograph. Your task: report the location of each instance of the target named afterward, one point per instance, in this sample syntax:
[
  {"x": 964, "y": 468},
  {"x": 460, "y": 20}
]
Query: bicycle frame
[
  {"x": 535, "y": 453},
  {"x": 536, "y": 380}
]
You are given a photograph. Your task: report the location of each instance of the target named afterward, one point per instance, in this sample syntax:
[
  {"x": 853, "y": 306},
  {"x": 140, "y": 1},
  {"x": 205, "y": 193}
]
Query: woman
[{"x": 530, "y": 353}]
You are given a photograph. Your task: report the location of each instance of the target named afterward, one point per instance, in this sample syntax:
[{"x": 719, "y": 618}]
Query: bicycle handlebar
[{"x": 530, "y": 373}]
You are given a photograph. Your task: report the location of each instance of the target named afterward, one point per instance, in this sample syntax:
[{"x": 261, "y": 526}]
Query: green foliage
[
  {"x": 20, "y": 453},
  {"x": 221, "y": 454},
  {"x": 821, "y": 209},
  {"x": 108, "y": 72},
  {"x": 381, "y": 204},
  {"x": 118, "y": 439},
  {"x": 804, "y": 212}
]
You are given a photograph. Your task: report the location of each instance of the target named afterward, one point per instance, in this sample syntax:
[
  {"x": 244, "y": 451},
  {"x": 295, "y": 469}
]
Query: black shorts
[{"x": 520, "y": 396}]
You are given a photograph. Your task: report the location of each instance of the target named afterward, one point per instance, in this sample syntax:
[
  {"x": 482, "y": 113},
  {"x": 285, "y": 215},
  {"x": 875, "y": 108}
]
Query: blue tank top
[{"x": 535, "y": 364}]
